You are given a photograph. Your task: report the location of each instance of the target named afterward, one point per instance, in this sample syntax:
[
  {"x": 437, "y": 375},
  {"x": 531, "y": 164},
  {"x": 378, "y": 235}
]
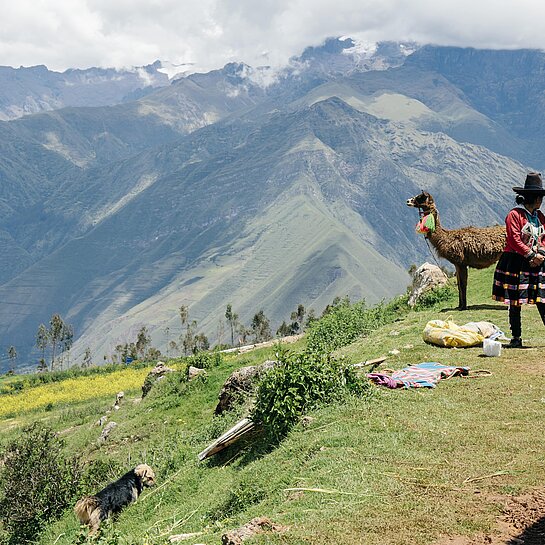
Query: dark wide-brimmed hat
[{"x": 533, "y": 185}]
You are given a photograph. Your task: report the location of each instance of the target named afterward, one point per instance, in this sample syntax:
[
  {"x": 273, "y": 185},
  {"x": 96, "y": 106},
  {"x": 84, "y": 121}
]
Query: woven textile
[
  {"x": 516, "y": 283},
  {"x": 421, "y": 375}
]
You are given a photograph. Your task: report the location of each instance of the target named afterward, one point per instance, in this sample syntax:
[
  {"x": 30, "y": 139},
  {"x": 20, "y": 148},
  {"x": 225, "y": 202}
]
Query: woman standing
[{"x": 520, "y": 275}]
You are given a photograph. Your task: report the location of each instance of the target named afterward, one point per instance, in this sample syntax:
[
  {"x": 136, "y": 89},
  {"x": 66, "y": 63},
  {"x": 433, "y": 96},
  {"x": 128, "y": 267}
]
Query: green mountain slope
[
  {"x": 108, "y": 211},
  {"x": 202, "y": 225},
  {"x": 394, "y": 468}
]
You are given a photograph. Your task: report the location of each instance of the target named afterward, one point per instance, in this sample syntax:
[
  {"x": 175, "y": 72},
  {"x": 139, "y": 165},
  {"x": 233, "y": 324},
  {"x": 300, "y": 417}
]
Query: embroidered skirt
[{"x": 516, "y": 283}]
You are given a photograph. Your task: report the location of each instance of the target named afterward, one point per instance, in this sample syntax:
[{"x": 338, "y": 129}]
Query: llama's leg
[{"x": 461, "y": 277}]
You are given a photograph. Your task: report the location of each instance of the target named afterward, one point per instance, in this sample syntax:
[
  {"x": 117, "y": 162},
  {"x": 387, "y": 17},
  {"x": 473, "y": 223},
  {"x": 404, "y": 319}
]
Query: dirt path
[
  {"x": 522, "y": 523},
  {"x": 249, "y": 347}
]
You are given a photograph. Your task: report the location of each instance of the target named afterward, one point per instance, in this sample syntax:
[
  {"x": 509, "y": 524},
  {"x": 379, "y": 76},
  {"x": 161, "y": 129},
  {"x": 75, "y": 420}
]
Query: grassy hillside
[{"x": 393, "y": 467}]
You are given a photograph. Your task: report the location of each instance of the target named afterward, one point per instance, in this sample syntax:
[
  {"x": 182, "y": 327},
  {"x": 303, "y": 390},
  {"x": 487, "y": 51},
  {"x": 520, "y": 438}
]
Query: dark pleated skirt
[{"x": 516, "y": 283}]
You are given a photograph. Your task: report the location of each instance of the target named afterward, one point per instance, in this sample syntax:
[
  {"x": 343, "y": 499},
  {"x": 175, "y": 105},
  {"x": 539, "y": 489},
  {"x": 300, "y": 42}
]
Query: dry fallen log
[
  {"x": 183, "y": 537},
  {"x": 367, "y": 363},
  {"x": 239, "y": 430}
]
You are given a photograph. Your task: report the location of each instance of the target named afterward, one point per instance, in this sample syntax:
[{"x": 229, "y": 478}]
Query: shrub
[
  {"x": 298, "y": 384},
  {"x": 430, "y": 298},
  {"x": 108, "y": 535},
  {"x": 206, "y": 360},
  {"x": 99, "y": 472},
  {"x": 36, "y": 483},
  {"x": 344, "y": 323}
]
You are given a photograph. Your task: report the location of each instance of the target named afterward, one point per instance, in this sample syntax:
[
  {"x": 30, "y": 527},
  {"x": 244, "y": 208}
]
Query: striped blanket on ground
[{"x": 421, "y": 375}]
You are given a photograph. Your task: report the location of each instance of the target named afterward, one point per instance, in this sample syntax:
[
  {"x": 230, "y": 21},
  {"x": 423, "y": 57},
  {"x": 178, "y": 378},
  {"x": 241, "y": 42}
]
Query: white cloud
[{"x": 81, "y": 33}]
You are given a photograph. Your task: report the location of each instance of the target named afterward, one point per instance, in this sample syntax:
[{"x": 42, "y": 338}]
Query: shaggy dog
[{"x": 92, "y": 510}]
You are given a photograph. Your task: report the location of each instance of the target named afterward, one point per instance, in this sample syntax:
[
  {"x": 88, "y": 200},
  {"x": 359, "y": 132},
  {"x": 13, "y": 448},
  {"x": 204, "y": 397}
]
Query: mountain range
[{"x": 252, "y": 186}]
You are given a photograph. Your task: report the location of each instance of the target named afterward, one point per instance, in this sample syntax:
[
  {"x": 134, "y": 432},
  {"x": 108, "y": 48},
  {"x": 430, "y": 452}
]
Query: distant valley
[{"x": 246, "y": 186}]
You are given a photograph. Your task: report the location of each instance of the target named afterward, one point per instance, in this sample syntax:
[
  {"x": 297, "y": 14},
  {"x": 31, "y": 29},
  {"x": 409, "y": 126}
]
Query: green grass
[{"x": 400, "y": 467}]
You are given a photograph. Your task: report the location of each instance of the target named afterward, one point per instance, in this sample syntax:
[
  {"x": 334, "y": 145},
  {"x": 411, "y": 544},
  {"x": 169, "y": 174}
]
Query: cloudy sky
[{"x": 209, "y": 33}]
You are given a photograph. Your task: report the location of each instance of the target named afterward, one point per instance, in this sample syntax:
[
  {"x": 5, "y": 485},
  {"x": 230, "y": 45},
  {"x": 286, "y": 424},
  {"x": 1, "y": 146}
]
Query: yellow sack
[{"x": 450, "y": 334}]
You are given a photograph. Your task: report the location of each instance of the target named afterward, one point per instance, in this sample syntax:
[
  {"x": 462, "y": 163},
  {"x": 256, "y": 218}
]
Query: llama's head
[{"x": 424, "y": 201}]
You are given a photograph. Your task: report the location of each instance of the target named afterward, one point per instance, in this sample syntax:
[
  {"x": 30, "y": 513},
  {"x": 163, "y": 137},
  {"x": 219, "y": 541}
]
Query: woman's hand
[{"x": 537, "y": 260}]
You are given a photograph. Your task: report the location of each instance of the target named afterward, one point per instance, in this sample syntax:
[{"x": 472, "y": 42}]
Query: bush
[
  {"x": 298, "y": 384},
  {"x": 168, "y": 391},
  {"x": 108, "y": 535},
  {"x": 36, "y": 483},
  {"x": 430, "y": 298},
  {"x": 206, "y": 360},
  {"x": 344, "y": 323}
]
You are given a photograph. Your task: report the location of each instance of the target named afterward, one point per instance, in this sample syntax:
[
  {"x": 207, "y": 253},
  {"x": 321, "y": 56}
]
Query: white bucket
[{"x": 491, "y": 347}]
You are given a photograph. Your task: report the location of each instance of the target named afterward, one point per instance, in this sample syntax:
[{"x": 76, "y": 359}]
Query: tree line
[
  {"x": 54, "y": 340},
  {"x": 58, "y": 337},
  {"x": 191, "y": 340}
]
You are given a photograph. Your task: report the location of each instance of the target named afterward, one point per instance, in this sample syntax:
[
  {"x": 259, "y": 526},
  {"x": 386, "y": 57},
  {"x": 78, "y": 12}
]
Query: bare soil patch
[{"x": 522, "y": 523}]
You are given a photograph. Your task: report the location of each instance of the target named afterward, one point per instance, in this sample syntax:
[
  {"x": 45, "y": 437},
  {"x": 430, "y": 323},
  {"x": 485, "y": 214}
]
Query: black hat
[{"x": 532, "y": 186}]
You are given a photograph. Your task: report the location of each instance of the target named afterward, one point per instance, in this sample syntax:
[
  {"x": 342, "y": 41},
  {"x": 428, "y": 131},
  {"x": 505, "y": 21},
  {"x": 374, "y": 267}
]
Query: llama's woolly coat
[{"x": 476, "y": 247}]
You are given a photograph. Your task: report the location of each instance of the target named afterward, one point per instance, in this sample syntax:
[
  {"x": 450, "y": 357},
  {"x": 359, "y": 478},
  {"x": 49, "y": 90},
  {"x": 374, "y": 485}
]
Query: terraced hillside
[{"x": 443, "y": 466}]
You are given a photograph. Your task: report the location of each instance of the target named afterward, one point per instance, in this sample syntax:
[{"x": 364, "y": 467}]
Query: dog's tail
[{"x": 87, "y": 509}]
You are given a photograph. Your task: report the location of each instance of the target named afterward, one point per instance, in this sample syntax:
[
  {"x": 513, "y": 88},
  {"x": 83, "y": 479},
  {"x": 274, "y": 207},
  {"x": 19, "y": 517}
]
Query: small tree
[
  {"x": 55, "y": 335},
  {"x": 117, "y": 356},
  {"x": 232, "y": 319},
  {"x": 243, "y": 333},
  {"x": 87, "y": 359},
  {"x": 153, "y": 353},
  {"x": 37, "y": 483},
  {"x": 188, "y": 340},
  {"x": 311, "y": 317},
  {"x": 124, "y": 351},
  {"x": 336, "y": 303},
  {"x": 12, "y": 355},
  {"x": 261, "y": 328},
  {"x": 42, "y": 341},
  {"x": 143, "y": 340},
  {"x": 283, "y": 330},
  {"x": 173, "y": 345},
  {"x": 201, "y": 343},
  {"x": 297, "y": 317},
  {"x": 184, "y": 314},
  {"x": 67, "y": 338}
]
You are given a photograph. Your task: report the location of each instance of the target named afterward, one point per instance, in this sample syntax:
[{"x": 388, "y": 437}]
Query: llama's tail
[{"x": 86, "y": 508}]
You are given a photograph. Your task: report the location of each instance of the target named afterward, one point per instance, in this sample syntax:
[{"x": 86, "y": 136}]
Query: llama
[{"x": 476, "y": 247}]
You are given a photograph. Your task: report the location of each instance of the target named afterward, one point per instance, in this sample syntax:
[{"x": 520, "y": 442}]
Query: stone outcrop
[
  {"x": 156, "y": 374},
  {"x": 108, "y": 428},
  {"x": 258, "y": 525},
  {"x": 241, "y": 383},
  {"x": 194, "y": 372},
  {"x": 426, "y": 278}
]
